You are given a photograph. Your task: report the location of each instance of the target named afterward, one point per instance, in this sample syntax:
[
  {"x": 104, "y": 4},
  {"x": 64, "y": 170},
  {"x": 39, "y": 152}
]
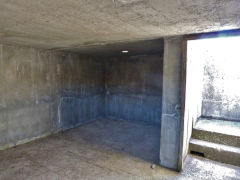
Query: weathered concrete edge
[
  {"x": 27, "y": 140},
  {"x": 170, "y": 139},
  {"x": 216, "y": 152}
]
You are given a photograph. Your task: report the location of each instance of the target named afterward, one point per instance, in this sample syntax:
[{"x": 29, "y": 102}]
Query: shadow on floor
[{"x": 138, "y": 140}]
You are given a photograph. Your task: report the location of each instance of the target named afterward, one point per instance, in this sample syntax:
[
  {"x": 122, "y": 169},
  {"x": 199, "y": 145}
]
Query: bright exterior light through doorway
[{"x": 219, "y": 59}]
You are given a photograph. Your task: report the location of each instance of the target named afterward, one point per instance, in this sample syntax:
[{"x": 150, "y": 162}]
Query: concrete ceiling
[
  {"x": 77, "y": 24},
  {"x": 143, "y": 47}
]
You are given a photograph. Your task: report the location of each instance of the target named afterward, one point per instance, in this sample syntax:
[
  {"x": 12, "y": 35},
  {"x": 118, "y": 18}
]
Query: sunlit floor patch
[
  {"x": 202, "y": 168},
  {"x": 219, "y": 126}
]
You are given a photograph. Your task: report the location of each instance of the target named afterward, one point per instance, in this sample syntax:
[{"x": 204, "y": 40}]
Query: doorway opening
[{"x": 212, "y": 98}]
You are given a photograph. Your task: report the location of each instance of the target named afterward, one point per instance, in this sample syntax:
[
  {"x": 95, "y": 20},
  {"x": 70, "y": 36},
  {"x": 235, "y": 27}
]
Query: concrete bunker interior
[
  {"x": 74, "y": 90},
  {"x": 116, "y": 99},
  {"x": 113, "y": 102},
  {"x": 99, "y": 90}
]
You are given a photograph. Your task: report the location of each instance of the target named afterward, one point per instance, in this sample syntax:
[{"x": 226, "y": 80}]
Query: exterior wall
[
  {"x": 221, "y": 97},
  {"x": 35, "y": 86},
  {"x": 134, "y": 88},
  {"x": 194, "y": 83},
  {"x": 192, "y": 80},
  {"x": 217, "y": 102}
]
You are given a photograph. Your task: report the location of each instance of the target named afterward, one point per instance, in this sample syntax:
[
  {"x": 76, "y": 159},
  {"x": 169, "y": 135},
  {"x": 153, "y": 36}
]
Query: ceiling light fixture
[{"x": 124, "y": 51}]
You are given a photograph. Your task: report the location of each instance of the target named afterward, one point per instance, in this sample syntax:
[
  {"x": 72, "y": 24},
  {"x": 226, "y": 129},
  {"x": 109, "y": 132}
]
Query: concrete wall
[
  {"x": 194, "y": 83},
  {"x": 221, "y": 98},
  {"x": 42, "y": 92},
  {"x": 134, "y": 88},
  {"x": 82, "y": 91},
  {"x": 193, "y": 78},
  {"x": 171, "y": 105}
]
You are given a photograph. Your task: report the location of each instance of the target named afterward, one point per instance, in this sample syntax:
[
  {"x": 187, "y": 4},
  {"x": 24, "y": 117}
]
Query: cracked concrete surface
[
  {"x": 75, "y": 24},
  {"x": 99, "y": 150}
]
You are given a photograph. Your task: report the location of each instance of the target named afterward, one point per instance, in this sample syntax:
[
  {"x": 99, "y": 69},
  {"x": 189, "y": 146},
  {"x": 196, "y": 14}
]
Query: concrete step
[
  {"x": 216, "y": 137},
  {"x": 215, "y": 151}
]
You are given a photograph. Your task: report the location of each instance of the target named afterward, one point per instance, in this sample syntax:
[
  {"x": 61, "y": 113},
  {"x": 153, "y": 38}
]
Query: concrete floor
[{"x": 104, "y": 149}]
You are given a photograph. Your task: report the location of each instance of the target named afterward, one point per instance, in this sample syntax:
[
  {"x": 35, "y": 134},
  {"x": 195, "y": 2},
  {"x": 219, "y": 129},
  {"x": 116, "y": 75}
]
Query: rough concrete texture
[
  {"x": 42, "y": 92},
  {"x": 228, "y": 128},
  {"x": 103, "y": 149},
  {"x": 216, "y": 152},
  {"x": 171, "y": 104},
  {"x": 133, "y": 87},
  {"x": 192, "y": 93},
  {"x": 76, "y": 111},
  {"x": 34, "y": 85},
  {"x": 71, "y": 24},
  {"x": 217, "y": 140},
  {"x": 143, "y": 47},
  {"x": 214, "y": 137},
  {"x": 224, "y": 127},
  {"x": 82, "y": 91}
]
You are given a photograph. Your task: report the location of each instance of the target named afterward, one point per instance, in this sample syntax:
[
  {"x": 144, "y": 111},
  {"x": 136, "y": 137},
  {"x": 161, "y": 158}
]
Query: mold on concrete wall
[
  {"x": 36, "y": 84},
  {"x": 134, "y": 88}
]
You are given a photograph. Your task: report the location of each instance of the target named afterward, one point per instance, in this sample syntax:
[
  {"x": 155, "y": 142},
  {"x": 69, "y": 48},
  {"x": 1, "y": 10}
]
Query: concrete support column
[
  {"x": 1, "y": 78},
  {"x": 171, "y": 103}
]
